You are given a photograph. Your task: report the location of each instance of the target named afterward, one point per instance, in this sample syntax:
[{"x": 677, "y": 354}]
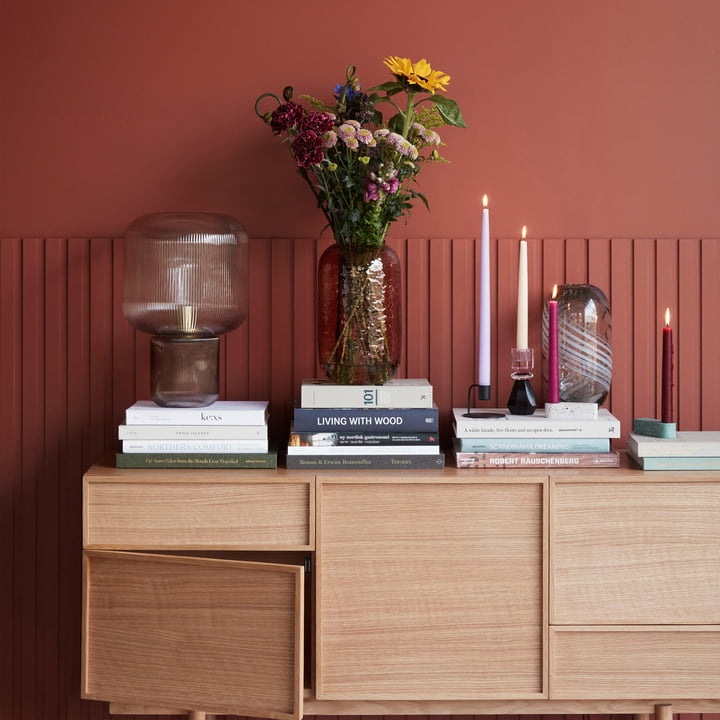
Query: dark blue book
[
  {"x": 366, "y": 419},
  {"x": 367, "y": 462}
]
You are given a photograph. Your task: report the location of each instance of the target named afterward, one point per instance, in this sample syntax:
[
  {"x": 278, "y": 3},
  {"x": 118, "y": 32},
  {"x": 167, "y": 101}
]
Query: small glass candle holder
[{"x": 522, "y": 398}]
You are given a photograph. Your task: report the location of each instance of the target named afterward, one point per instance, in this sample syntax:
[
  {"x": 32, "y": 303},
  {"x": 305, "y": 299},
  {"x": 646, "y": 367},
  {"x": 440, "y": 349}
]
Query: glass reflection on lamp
[{"x": 185, "y": 283}]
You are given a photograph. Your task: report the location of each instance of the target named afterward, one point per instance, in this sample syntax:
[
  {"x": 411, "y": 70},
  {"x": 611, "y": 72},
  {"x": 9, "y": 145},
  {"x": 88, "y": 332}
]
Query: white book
[
  {"x": 687, "y": 443},
  {"x": 505, "y": 424},
  {"x": 221, "y": 412},
  {"x": 363, "y": 450},
  {"x": 192, "y": 432},
  {"x": 396, "y": 393},
  {"x": 195, "y": 446}
]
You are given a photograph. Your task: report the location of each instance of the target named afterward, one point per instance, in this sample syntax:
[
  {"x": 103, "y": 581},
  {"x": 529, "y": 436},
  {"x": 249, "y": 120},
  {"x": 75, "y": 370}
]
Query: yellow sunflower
[{"x": 419, "y": 73}]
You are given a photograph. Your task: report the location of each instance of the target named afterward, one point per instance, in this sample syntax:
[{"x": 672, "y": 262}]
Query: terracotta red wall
[{"x": 592, "y": 123}]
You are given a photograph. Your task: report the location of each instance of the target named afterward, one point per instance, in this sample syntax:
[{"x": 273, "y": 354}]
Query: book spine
[
  {"x": 529, "y": 445},
  {"x": 192, "y": 432},
  {"x": 368, "y": 419},
  {"x": 677, "y": 463},
  {"x": 366, "y": 462},
  {"x": 340, "y": 439},
  {"x": 363, "y": 450},
  {"x": 366, "y": 396},
  {"x": 195, "y": 446},
  {"x": 196, "y": 460},
  {"x": 531, "y": 460}
]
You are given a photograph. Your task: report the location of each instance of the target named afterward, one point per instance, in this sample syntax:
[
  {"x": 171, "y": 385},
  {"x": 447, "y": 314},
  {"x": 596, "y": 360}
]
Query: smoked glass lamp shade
[{"x": 185, "y": 283}]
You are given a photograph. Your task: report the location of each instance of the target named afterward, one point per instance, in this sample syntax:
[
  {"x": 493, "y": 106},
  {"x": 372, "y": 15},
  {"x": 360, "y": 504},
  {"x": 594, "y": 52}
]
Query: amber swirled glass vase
[{"x": 359, "y": 314}]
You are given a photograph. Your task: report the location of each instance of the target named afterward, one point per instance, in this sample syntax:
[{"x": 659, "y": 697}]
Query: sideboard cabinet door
[
  {"x": 430, "y": 589},
  {"x": 220, "y": 636}
]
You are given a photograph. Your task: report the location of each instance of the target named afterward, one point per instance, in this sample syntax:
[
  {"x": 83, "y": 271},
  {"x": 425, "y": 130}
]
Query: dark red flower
[
  {"x": 319, "y": 122},
  {"x": 285, "y": 116},
  {"x": 307, "y": 148}
]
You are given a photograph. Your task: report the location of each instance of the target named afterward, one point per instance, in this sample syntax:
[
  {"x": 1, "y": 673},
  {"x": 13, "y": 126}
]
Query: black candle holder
[
  {"x": 522, "y": 398},
  {"x": 483, "y": 394}
]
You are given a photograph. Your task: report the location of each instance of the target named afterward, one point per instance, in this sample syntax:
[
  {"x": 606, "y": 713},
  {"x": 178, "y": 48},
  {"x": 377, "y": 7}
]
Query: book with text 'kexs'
[{"x": 221, "y": 412}]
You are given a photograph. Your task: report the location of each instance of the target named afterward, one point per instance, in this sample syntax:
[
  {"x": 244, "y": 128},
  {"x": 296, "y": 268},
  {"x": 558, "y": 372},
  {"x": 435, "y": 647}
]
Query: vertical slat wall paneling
[
  {"x": 463, "y": 322},
  {"x": 49, "y": 522},
  {"x": 418, "y": 308},
  {"x": 71, "y": 363},
  {"x": 621, "y": 304},
  {"x": 258, "y": 321},
  {"x": 503, "y": 314},
  {"x": 101, "y": 376},
  {"x": 302, "y": 312},
  {"x": 26, "y": 543},
  {"x": 282, "y": 390},
  {"x": 645, "y": 402},
  {"x": 440, "y": 345},
  {"x": 400, "y": 248},
  {"x": 666, "y": 292},
  {"x": 78, "y": 458},
  {"x": 537, "y": 291},
  {"x": 123, "y": 344},
  {"x": 10, "y": 485},
  {"x": 688, "y": 337},
  {"x": 710, "y": 309}
]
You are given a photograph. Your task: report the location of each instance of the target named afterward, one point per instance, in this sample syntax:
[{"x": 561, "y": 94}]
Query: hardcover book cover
[
  {"x": 693, "y": 443},
  {"x": 367, "y": 419},
  {"x": 221, "y": 412},
  {"x": 367, "y": 462},
  {"x": 197, "y": 460},
  {"x": 536, "y": 425},
  {"x": 533, "y": 460},
  {"x": 396, "y": 393}
]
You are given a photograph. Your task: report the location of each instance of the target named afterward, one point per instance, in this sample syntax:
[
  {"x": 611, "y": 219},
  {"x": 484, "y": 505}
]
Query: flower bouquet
[{"x": 362, "y": 172}]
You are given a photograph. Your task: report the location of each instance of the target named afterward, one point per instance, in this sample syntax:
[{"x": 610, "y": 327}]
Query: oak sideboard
[{"x": 277, "y": 593}]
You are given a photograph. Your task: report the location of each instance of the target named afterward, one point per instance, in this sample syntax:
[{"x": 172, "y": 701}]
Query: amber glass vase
[{"x": 359, "y": 314}]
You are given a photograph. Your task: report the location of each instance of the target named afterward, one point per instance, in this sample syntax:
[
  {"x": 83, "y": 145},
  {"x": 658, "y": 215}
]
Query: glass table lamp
[{"x": 185, "y": 283}]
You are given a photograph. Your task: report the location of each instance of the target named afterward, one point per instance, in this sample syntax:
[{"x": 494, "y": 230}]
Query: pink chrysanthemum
[
  {"x": 346, "y": 131},
  {"x": 366, "y": 137},
  {"x": 330, "y": 139}
]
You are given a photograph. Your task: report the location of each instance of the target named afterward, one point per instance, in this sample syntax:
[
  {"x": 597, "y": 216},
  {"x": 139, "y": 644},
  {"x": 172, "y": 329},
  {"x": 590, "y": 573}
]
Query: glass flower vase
[
  {"x": 359, "y": 314},
  {"x": 584, "y": 343}
]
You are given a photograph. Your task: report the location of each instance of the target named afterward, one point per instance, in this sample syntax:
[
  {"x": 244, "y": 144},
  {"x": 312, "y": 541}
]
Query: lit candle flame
[
  {"x": 524, "y": 231},
  {"x": 667, "y": 317},
  {"x": 485, "y": 201},
  {"x": 554, "y": 292}
]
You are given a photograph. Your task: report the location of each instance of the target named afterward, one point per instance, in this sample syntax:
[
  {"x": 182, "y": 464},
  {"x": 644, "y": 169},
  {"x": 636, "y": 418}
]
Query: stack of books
[
  {"x": 503, "y": 440},
  {"x": 689, "y": 450},
  {"x": 375, "y": 427},
  {"x": 225, "y": 434}
]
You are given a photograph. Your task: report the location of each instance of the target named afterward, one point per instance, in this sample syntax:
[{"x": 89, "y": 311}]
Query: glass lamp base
[{"x": 184, "y": 371}]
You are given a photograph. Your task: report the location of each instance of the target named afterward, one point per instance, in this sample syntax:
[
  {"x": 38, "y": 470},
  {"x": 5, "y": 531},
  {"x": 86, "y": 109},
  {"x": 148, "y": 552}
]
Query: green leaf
[
  {"x": 449, "y": 109},
  {"x": 391, "y": 87}
]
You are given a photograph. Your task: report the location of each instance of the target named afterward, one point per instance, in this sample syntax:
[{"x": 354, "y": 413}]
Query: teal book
[
  {"x": 685, "y": 462},
  {"x": 532, "y": 445}
]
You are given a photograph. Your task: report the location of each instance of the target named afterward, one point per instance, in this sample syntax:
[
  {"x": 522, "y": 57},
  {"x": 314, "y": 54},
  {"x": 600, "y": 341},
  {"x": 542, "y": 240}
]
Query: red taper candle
[
  {"x": 666, "y": 415},
  {"x": 553, "y": 395}
]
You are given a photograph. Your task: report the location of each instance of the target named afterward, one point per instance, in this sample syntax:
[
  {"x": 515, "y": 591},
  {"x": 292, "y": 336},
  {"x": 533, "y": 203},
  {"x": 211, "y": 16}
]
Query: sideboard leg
[
  {"x": 663, "y": 712},
  {"x": 199, "y": 715}
]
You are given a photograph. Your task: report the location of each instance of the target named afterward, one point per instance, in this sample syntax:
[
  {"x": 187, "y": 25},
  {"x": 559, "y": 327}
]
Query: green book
[
  {"x": 230, "y": 461},
  {"x": 687, "y": 462}
]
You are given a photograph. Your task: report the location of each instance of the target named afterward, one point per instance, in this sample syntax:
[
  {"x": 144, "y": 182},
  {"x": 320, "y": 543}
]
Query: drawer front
[
  {"x": 184, "y": 514},
  {"x": 620, "y": 663},
  {"x": 635, "y": 552}
]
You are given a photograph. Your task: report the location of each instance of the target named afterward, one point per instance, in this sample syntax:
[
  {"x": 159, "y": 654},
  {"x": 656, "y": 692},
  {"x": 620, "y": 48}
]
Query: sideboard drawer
[
  {"x": 620, "y": 662},
  {"x": 174, "y": 512}
]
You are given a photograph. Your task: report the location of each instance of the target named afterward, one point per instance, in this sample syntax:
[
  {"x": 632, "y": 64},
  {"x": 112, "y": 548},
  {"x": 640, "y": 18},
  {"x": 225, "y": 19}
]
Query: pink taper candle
[
  {"x": 667, "y": 372},
  {"x": 484, "y": 329},
  {"x": 553, "y": 395}
]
